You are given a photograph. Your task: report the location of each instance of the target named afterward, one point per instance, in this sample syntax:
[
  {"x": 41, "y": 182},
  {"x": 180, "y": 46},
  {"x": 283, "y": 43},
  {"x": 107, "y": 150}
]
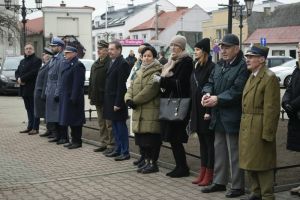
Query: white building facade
[{"x": 76, "y": 21}]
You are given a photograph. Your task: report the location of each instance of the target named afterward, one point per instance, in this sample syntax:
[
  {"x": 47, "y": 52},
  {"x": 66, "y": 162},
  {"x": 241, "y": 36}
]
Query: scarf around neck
[{"x": 173, "y": 60}]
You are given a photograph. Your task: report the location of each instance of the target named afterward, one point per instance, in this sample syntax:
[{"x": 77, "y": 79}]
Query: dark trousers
[
  {"x": 33, "y": 122},
  {"x": 76, "y": 134},
  {"x": 120, "y": 132},
  {"x": 62, "y": 132},
  {"x": 151, "y": 152},
  {"x": 179, "y": 154},
  {"x": 207, "y": 149},
  {"x": 53, "y": 128}
]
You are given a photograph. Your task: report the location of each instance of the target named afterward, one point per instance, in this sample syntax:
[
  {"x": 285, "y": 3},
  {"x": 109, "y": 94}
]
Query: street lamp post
[
  {"x": 24, "y": 11},
  {"x": 239, "y": 14}
]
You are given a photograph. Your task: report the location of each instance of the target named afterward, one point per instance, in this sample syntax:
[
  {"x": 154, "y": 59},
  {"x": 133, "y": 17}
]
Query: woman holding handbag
[
  {"x": 200, "y": 116},
  {"x": 143, "y": 97},
  {"x": 175, "y": 82}
]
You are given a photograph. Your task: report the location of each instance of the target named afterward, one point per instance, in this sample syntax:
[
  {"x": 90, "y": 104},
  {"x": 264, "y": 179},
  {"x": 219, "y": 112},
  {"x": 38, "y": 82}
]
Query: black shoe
[
  {"x": 152, "y": 168},
  {"x": 53, "y": 140},
  {"x": 46, "y": 134},
  {"x": 141, "y": 164},
  {"x": 122, "y": 157},
  {"x": 33, "y": 132},
  {"x": 141, "y": 159},
  {"x": 112, "y": 154},
  {"x": 25, "y": 131},
  {"x": 140, "y": 169},
  {"x": 62, "y": 141},
  {"x": 180, "y": 172},
  {"x": 171, "y": 172},
  {"x": 51, "y": 135},
  {"x": 67, "y": 145},
  {"x": 214, "y": 188},
  {"x": 100, "y": 149},
  {"x": 232, "y": 193},
  {"x": 108, "y": 151},
  {"x": 251, "y": 197},
  {"x": 75, "y": 146}
]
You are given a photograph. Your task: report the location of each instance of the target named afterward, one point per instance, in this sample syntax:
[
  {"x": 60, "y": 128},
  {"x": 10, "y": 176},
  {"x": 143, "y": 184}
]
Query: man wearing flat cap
[
  {"x": 260, "y": 115},
  {"x": 223, "y": 93},
  {"x": 71, "y": 96},
  {"x": 40, "y": 87},
  {"x": 96, "y": 96},
  {"x": 52, "y": 92}
]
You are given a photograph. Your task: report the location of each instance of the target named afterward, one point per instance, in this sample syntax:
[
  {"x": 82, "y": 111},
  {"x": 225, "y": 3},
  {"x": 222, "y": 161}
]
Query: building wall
[
  {"x": 38, "y": 43},
  {"x": 190, "y": 21},
  {"x": 62, "y": 21}
]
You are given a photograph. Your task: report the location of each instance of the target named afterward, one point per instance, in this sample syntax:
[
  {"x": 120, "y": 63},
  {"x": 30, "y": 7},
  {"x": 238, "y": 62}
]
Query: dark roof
[
  {"x": 118, "y": 17},
  {"x": 283, "y": 15},
  {"x": 277, "y": 35}
]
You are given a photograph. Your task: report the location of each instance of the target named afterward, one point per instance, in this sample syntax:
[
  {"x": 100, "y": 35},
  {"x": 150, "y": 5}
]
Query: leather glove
[
  {"x": 56, "y": 99},
  {"x": 156, "y": 78},
  {"x": 130, "y": 104},
  {"x": 289, "y": 110}
]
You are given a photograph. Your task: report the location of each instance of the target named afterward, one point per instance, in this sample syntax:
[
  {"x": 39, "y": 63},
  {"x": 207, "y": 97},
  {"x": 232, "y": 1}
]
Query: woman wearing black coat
[
  {"x": 177, "y": 71},
  {"x": 200, "y": 116}
]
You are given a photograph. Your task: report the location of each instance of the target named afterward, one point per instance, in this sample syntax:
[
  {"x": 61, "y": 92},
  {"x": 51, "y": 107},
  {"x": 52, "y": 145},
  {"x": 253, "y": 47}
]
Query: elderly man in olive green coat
[
  {"x": 96, "y": 96},
  {"x": 260, "y": 115}
]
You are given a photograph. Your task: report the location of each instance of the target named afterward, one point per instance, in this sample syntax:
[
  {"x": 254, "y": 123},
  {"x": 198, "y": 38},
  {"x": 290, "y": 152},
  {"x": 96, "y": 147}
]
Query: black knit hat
[{"x": 204, "y": 44}]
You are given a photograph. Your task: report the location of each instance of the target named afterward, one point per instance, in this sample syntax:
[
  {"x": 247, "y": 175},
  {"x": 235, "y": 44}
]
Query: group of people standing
[
  {"x": 235, "y": 107},
  {"x": 53, "y": 91}
]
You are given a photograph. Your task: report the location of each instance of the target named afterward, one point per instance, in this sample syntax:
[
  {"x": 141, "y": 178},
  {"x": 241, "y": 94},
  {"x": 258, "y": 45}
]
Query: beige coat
[
  {"x": 260, "y": 115},
  {"x": 144, "y": 93}
]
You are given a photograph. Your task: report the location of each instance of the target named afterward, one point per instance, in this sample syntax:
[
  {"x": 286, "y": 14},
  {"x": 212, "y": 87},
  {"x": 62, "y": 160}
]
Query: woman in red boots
[{"x": 200, "y": 116}]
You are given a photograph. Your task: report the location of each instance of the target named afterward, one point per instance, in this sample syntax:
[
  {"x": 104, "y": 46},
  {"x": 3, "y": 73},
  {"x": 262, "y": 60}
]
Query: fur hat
[
  {"x": 204, "y": 45},
  {"x": 179, "y": 40}
]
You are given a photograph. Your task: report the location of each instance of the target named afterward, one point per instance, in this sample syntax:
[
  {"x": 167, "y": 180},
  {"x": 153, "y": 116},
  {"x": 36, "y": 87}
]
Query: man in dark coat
[
  {"x": 40, "y": 87},
  {"x": 52, "y": 92},
  {"x": 223, "y": 93},
  {"x": 96, "y": 96},
  {"x": 71, "y": 96},
  {"x": 26, "y": 76},
  {"x": 114, "y": 105}
]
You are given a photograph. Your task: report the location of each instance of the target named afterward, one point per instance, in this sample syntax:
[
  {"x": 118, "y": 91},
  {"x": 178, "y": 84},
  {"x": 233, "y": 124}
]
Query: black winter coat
[
  {"x": 228, "y": 82},
  {"x": 97, "y": 81},
  {"x": 27, "y": 71},
  {"x": 199, "y": 78},
  {"x": 175, "y": 131},
  {"x": 292, "y": 97},
  {"x": 71, "y": 96},
  {"x": 115, "y": 89}
]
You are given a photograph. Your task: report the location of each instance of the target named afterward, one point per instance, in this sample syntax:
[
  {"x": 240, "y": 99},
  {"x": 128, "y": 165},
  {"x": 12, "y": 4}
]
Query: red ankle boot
[
  {"x": 208, "y": 177},
  {"x": 200, "y": 176}
]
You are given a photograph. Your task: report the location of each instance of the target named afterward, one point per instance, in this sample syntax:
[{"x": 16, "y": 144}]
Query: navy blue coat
[
  {"x": 71, "y": 96},
  {"x": 28, "y": 71},
  {"x": 115, "y": 89}
]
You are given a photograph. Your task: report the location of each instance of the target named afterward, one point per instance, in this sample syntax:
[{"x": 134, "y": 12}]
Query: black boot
[
  {"x": 172, "y": 172},
  {"x": 180, "y": 172},
  {"x": 152, "y": 168},
  {"x": 140, "y": 160},
  {"x": 147, "y": 163}
]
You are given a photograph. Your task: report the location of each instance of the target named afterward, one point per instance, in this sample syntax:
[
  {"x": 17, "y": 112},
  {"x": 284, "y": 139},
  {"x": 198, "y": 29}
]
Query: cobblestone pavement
[{"x": 33, "y": 169}]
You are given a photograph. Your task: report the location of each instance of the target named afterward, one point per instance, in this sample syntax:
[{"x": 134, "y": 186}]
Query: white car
[
  {"x": 284, "y": 72},
  {"x": 88, "y": 65}
]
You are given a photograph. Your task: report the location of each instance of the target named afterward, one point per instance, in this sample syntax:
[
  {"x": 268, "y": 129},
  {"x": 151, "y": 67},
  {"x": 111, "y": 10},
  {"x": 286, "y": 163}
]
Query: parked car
[
  {"x": 284, "y": 72},
  {"x": 7, "y": 75},
  {"x": 273, "y": 61},
  {"x": 88, "y": 65}
]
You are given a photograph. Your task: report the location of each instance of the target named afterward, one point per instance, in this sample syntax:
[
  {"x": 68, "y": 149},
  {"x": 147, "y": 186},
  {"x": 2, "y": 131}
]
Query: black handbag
[{"x": 174, "y": 109}]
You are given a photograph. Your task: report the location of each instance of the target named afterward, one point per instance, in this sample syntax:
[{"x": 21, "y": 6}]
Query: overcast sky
[{"x": 99, "y": 5}]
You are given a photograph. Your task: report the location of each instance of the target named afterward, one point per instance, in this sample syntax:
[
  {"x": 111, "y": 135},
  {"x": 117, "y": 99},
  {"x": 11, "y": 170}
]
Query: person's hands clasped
[
  {"x": 130, "y": 104},
  {"x": 156, "y": 78},
  {"x": 209, "y": 101},
  {"x": 116, "y": 108}
]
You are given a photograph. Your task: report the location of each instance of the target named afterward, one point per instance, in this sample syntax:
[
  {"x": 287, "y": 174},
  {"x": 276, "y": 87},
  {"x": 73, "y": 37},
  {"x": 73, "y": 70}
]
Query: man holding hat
[
  {"x": 260, "y": 115},
  {"x": 71, "y": 96},
  {"x": 52, "y": 92},
  {"x": 223, "y": 93},
  {"x": 96, "y": 96}
]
